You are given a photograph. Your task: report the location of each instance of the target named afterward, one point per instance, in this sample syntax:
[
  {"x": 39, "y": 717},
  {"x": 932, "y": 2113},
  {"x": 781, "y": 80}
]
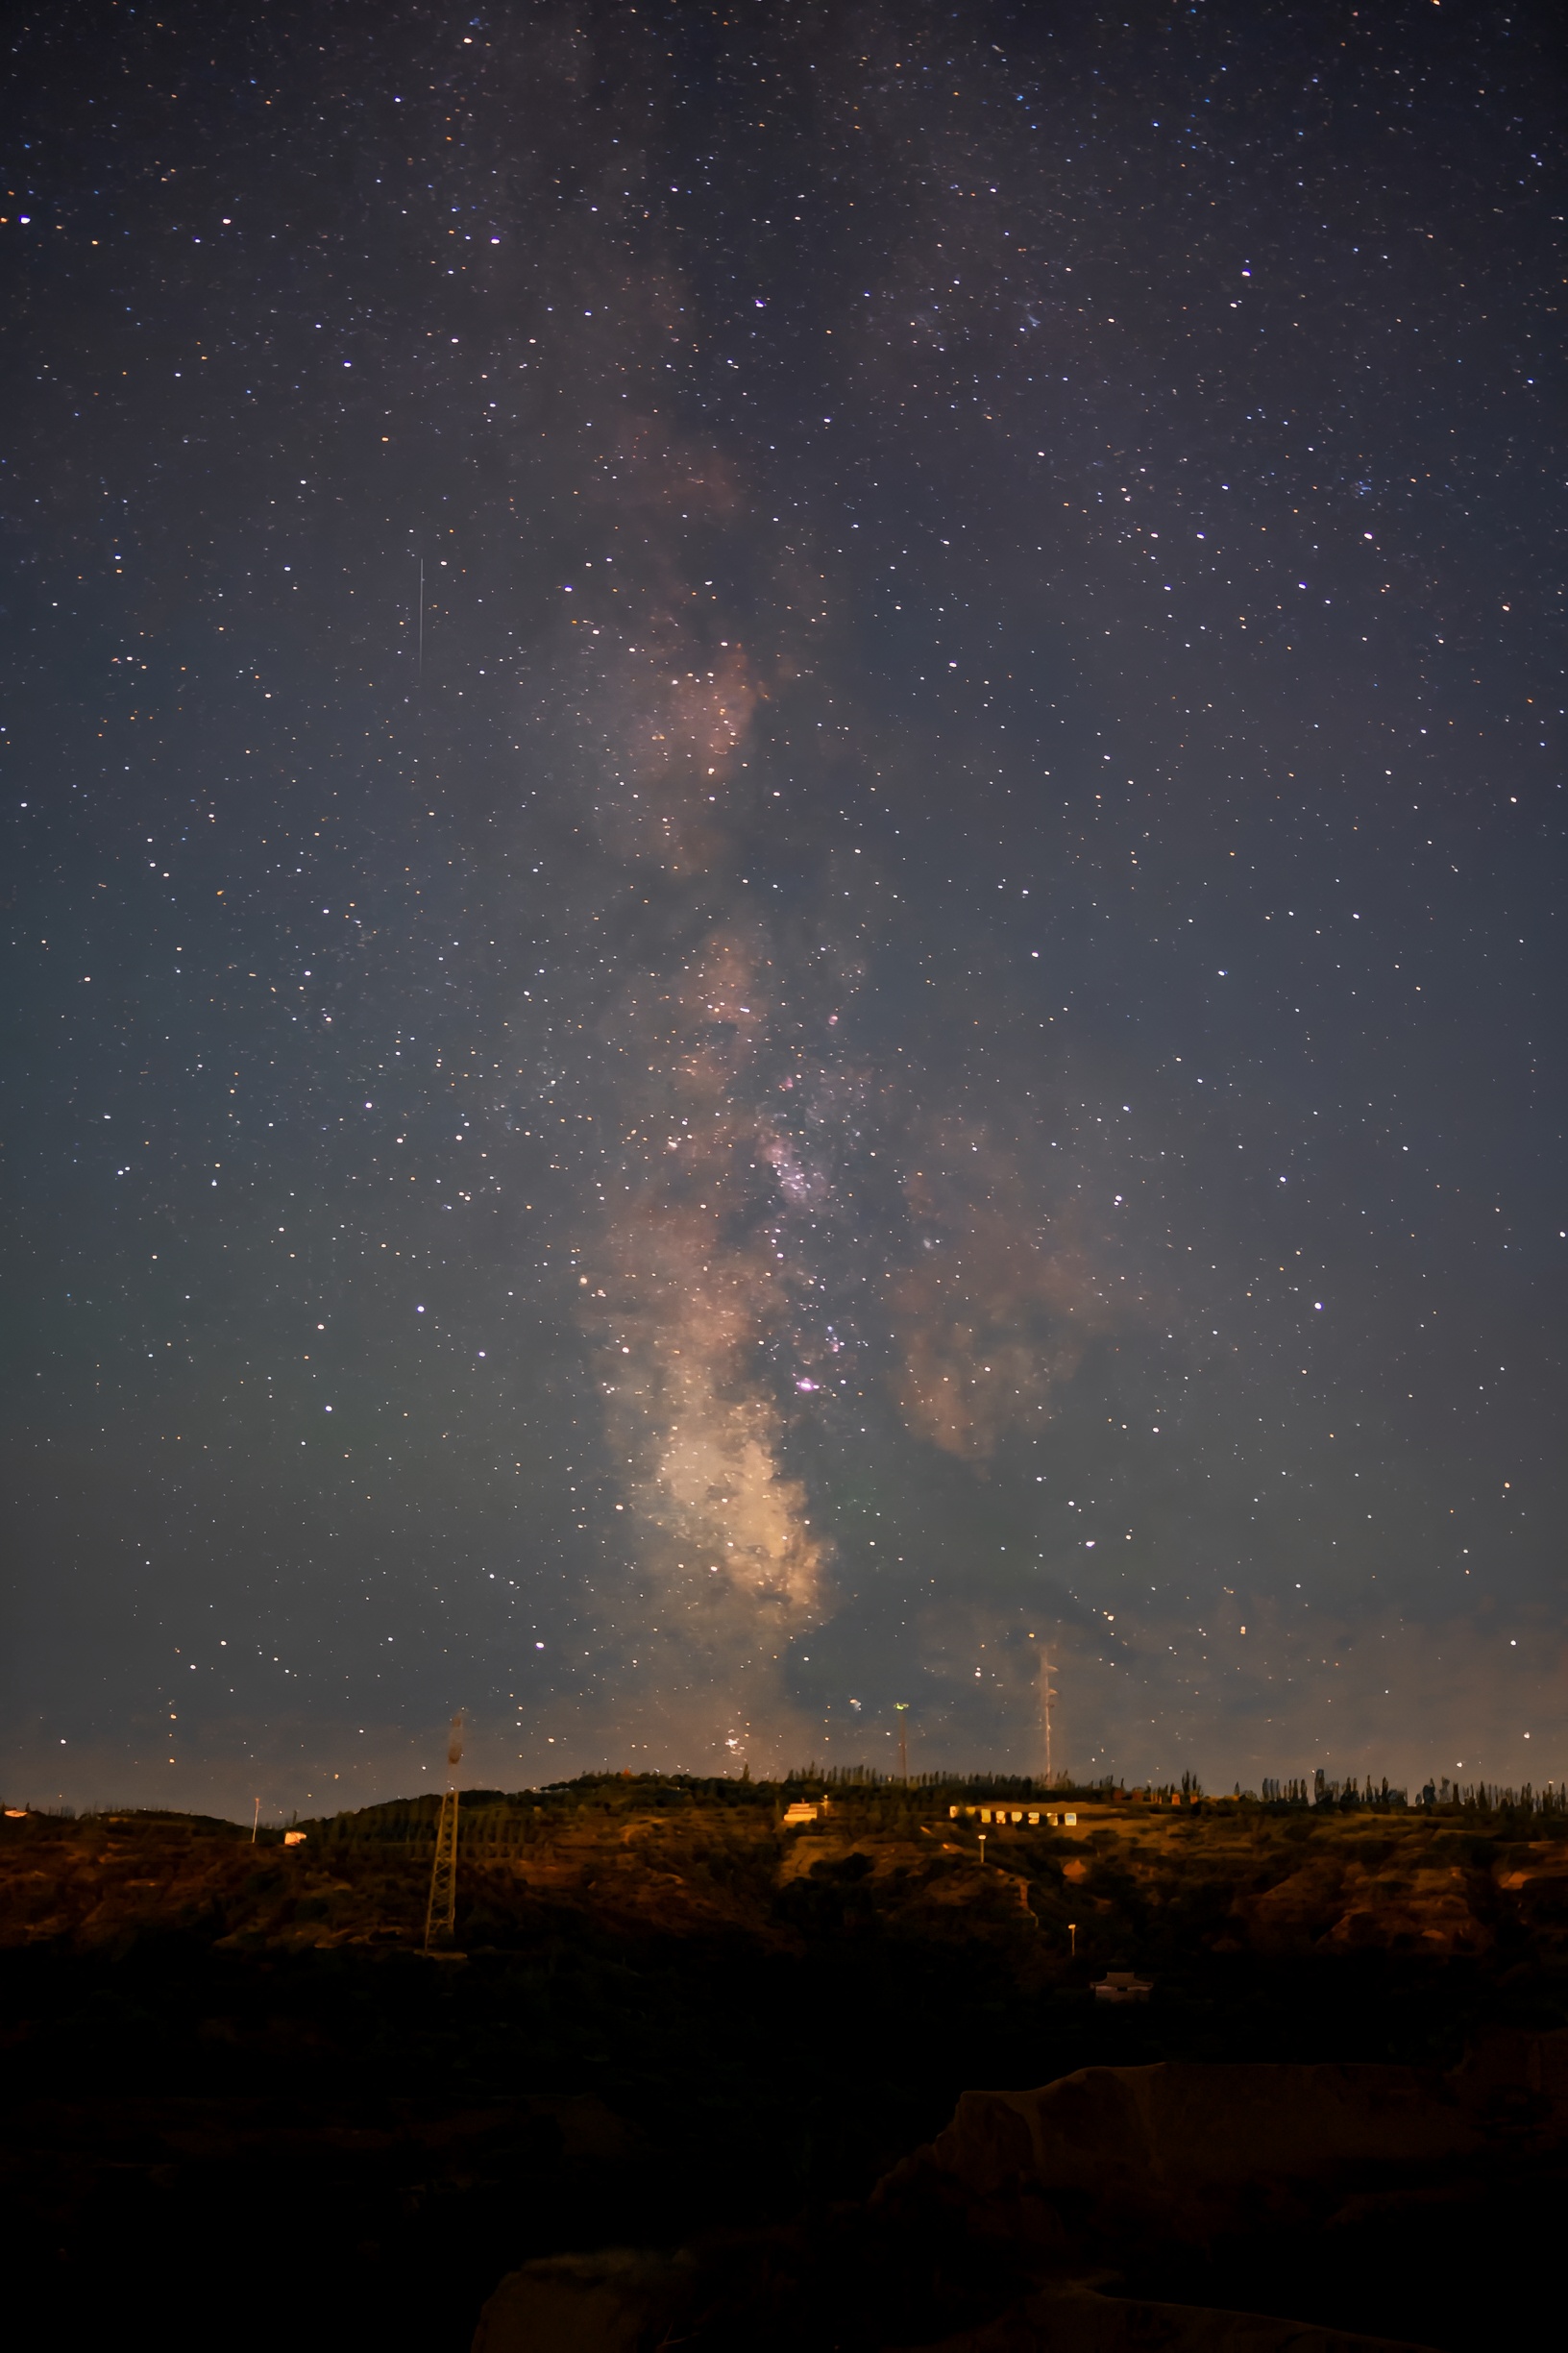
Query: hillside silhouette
[{"x": 673, "y": 2020}]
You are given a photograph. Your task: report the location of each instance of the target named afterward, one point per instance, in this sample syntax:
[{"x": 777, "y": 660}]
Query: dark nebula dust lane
[{"x": 786, "y": 894}]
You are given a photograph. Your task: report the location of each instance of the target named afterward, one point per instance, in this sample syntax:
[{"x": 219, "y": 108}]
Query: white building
[{"x": 1017, "y": 1814}]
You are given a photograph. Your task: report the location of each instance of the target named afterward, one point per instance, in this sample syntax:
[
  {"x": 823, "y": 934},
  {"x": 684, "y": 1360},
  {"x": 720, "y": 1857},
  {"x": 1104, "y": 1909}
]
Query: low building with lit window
[{"x": 1015, "y": 1816}]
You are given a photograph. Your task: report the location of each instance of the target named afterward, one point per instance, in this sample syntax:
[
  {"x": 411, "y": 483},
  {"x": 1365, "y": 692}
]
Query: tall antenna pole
[
  {"x": 1048, "y": 1696},
  {"x": 419, "y": 665},
  {"x": 441, "y": 1912},
  {"x": 901, "y": 1707}
]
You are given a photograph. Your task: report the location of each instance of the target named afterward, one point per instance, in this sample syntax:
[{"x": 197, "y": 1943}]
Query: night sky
[{"x": 913, "y": 1009}]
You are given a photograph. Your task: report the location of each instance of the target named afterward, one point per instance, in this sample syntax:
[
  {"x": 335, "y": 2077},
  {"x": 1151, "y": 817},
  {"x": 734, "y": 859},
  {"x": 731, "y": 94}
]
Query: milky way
[{"x": 787, "y": 871}]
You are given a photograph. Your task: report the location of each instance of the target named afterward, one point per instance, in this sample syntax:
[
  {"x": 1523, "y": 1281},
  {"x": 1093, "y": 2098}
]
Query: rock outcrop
[
  {"x": 617, "y": 2300},
  {"x": 1081, "y": 2322},
  {"x": 625, "y": 2301},
  {"x": 1188, "y": 2151},
  {"x": 1111, "y": 2156},
  {"x": 1030, "y": 2224}
]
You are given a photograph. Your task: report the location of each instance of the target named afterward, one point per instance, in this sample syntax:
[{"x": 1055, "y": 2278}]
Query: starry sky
[{"x": 785, "y": 893}]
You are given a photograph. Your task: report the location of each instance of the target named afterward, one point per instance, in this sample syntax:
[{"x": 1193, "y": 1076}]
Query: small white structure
[
  {"x": 798, "y": 1815},
  {"x": 1122, "y": 1985},
  {"x": 293, "y": 1838}
]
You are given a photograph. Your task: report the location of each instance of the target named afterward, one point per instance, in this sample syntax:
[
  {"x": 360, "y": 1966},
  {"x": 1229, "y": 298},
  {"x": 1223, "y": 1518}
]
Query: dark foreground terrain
[{"x": 241, "y": 2107}]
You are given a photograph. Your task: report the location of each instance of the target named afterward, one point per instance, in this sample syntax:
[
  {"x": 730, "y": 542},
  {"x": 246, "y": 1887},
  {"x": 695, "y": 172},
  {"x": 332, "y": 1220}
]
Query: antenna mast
[
  {"x": 441, "y": 1912},
  {"x": 1048, "y": 1696},
  {"x": 901, "y": 1710},
  {"x": 418, "y": 667}
]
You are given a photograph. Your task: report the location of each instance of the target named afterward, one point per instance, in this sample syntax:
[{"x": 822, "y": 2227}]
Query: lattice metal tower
[
  {"x": 901, "y": 1707},
  {"x": 441, "y": 1912}
]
